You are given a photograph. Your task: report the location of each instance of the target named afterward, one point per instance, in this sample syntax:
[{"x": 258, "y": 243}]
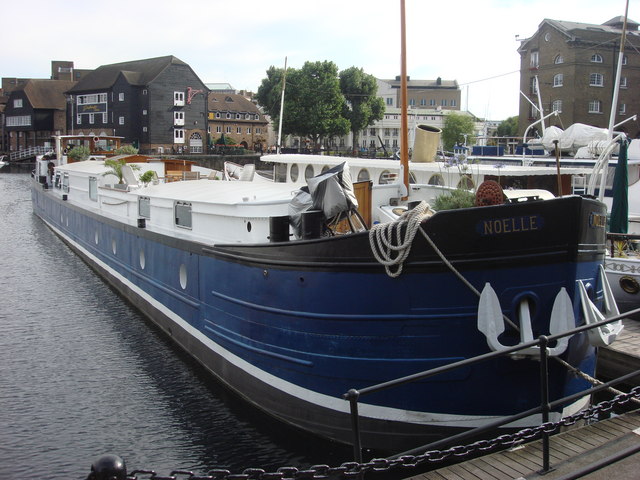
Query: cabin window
[
  {"x": 182, "y": 212},
  {"x": 144, "y": 207},
  {"x": 436, "y": 180},
  {"x": 386, "y": 177},
  {"x": 596, "y": 58},
  {"x": 363, "y": 175},
  {"x": 308, "y": 172},
  {"x": 596, "y": 80},
  {"x": 294, "y": 172},
  {"x": 93, "y": 189},
  {"x": 558, "y": 80},
  {"x": 65, "y": 183}
]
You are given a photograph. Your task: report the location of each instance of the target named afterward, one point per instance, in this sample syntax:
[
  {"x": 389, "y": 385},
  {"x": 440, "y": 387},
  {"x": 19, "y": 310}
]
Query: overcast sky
[{"x": 473, "y": 42}]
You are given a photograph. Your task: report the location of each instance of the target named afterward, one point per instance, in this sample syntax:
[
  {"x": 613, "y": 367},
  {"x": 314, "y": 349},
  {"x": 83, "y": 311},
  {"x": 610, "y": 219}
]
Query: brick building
[
  {"x": 237, "y": 117},
  {"x": 575, "y": 68}
]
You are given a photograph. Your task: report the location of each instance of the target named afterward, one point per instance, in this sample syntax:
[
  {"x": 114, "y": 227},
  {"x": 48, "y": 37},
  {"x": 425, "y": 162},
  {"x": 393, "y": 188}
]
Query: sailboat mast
[
  {"x": 284, "y": 84},
  {"x": 616, "y": 87},
  {"x": 404, "y": 124}
]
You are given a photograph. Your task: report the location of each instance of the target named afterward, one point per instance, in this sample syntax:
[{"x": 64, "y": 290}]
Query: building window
[
  {"x": 228, "y": 129},
  {"x": 79, "y": 119},
  {"x": 145, "y": 129},
  {"x": 178, "y": 118},
  {"x": 178, "y": 135},
  {"x": 432, "y": 102},
  {"x": 534, "y": 59},
  {"x": 624, "y": 59},
  {"x": 423, "y": 102},
  {"x": 556, "y": 106},
  {"x": 239, "y": 130},
  {"x": 443, "y": 102},
  {"x": 558, "y": 60},
  {"x": 412, "y": 102},
  {"x": 248, "y": 129},
  {"x": 19, "y": 121},
  {"x": 121, "y": 96},
  {"x": 596, "y": 80},
  {"x": 104, "y": 118},
  {"x": 144, "y": 112},
  {"x": 182, "y": 212},
  {"x": 558, "y": 80},
  {"x": 389, "y": 101},
  {"x": 623, "y": 109},
  {"x": 218, "y": 129},
  {"x": 238, "y": 116},
  {"x": 453, "y": 103},
  {"x": 257, "y": 117},
  {"x": 258, "y": 130},
  {"x": 92, "y": 119},
  {"x": 533, "y": 86},
  {"x": 372, "y": 132},
  {"x": 17, "y": 103},
  {"x": 144, "y": 207},
  {"x": 121, "y": 120},
  {"x": 144, "y": 92},
  {"x": 178, "y": 99},
  {"x": 228, "y": 115},
  {"x": 93, "y": 189},
  {"x": 217, "y": 114},
  {"x": 623, "y": 82},
  {"x": 596, "y": 58},
  {"x": 595, "y": 106}
]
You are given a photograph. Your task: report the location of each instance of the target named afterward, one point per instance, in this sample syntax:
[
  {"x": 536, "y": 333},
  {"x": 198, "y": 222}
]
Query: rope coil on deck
[{"x": 391, "y": 242}]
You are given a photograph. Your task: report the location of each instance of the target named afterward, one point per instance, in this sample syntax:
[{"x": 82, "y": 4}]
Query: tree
[
  {"x": 508, "y": 127},
  {"x": 126, "y": 150},
  {"x": 363, "y": 107},
  {"x": 455, "y": 127},
  {"x": 313, "y": 103}
]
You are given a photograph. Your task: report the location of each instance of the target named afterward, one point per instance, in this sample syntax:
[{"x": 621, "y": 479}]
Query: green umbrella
[{"x": 619, "y": 222}]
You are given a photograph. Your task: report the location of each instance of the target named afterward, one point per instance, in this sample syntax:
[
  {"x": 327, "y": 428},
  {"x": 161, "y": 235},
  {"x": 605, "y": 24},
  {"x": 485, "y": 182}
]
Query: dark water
[{"x": 82, "y": 374}]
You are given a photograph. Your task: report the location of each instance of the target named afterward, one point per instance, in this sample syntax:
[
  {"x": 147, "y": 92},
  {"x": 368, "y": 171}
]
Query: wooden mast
[{"x": 404, "y": 124}]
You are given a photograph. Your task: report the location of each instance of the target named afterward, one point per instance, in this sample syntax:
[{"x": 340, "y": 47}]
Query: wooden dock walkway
[
  {"x": 576, "y": 449},
  {"x": 570, "y": 451}
]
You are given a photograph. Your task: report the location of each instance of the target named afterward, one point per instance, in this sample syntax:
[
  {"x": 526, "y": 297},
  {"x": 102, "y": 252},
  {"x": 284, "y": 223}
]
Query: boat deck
[
  {"x": 572, "y": 451},
  {"x": 575, "y": 450}
]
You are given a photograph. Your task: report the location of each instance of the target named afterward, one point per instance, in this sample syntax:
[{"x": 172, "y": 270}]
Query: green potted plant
[
  {"x": 147, "y": 177},
  {"x": 115, "y": 168}
]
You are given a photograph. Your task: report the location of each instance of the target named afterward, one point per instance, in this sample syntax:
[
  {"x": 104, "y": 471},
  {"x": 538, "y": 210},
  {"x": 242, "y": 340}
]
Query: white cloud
[{"x": 463, "y": 40}]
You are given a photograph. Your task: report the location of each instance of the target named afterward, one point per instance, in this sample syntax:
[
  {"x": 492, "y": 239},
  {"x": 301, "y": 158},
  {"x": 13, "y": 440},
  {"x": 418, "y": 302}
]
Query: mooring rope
[
  {"x": 391, "y": 242},
  {"x": 390, "y": 254}
]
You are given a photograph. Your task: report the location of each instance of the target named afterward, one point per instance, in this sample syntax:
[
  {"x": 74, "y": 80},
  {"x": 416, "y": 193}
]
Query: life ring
[{"x": 629, "y": 284}]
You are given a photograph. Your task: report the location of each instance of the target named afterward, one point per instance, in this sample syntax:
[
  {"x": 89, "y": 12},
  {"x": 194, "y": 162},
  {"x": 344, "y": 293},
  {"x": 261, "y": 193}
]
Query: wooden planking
[
  {"x": 623, "y": 355},
  {"x": 568, "y": 450}
]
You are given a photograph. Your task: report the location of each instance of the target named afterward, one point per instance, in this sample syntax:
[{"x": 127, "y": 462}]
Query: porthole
[
  {"x": 293, "y": 173},
  {"x": 142, "y": 259},
  {"x": 248, "y": 226},
  {"x": 324, "y": 169},
  {"x": 363, "y": 175},
  {"x": 183, "y": 276},
  {"x": 95, "y": 238},
  {"x": 308, "y": 172},
  {"x": 114, "y": 246},
  {"x": 629, "y": 285}
]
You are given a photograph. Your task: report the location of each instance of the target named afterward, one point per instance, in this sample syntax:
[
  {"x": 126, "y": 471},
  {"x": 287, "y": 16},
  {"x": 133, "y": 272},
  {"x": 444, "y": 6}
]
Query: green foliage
[
  {"x": 363, "y": 107},
  {"x": 79, "y": 153},
  {"x": 147, "y": 177},
  {"x": 126, "y": 150},
  {"x": 225, "y": 140},
  {"x": 115, "y": 167},
  {"x": 455, "y": 199},
  {"x": 319, "y": 102},
  {"x": 455, "y": 126},
  {"x": 508, "y": 127}
]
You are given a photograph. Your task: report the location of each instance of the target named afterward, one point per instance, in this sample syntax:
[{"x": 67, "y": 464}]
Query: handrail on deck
[{"x": 545, "y": 407}]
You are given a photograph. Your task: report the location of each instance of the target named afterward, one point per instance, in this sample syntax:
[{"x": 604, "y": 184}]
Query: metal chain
[{"x": 350, "y": 470}]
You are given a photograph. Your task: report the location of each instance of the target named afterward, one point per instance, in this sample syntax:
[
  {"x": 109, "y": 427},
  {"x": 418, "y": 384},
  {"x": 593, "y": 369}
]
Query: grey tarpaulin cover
[{"x": 331, "y": 192}]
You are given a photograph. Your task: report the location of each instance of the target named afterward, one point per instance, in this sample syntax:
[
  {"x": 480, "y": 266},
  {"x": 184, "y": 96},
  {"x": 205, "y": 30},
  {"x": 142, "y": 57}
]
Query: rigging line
[{"x": 489, "y": 78}]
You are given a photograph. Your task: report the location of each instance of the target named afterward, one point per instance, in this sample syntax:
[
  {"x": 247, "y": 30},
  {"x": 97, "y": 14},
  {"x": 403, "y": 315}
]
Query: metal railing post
[
  {"x": 544, "y": 399},
  {"x": 353, "y": 395}
]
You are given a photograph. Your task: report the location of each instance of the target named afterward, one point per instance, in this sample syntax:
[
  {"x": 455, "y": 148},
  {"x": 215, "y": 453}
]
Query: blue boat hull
[{"x": 292, "y": 326}]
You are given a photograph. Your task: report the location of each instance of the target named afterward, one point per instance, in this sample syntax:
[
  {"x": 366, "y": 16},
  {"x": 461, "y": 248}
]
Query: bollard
[{"x": 108, "y": 467}]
